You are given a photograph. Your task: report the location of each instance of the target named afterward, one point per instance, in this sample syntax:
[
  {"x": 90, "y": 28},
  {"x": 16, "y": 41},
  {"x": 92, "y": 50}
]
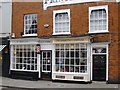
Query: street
[
  {"x": 8, "y": 88},
  {"x": 19, "y": 84},
  {"x": 13, "y": 89}
]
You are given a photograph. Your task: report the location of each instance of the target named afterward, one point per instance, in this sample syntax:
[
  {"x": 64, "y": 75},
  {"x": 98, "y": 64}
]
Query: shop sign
[
  {"x": 38, "y": 48},
  {"x": 71, "y": 40},
  {"x": 20, "y": 42}
]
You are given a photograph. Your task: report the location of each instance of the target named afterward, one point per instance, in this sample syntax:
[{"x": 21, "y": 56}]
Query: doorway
[
  {"x": 99, "y": 67},
  {"x": 46, "y": 63}
]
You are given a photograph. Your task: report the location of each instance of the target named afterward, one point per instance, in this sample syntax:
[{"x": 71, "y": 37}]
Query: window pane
[
  {"x": 48, "y": 68},
  {"x": 77, "y": 61},
  {"x": 71, "y": 68},
  {"x": 44, "y": 67},
  {"x": 99, "y": 50},
  {"x": 77, "y": 69},
  {"x": 72, "y": 62},
  {"x": 57, "y": 67},
  {"x": 66, "y": 68}
]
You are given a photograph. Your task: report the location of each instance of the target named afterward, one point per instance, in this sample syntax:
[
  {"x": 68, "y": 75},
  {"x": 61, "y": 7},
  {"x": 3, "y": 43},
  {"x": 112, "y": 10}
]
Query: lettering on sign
[{"x": 71, "y": 40}]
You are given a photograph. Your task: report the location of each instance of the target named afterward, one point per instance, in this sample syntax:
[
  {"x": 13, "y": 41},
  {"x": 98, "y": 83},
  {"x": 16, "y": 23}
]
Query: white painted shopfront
[
  {"x": 59, "y": 58},
  {"x": 71, "y": 59},
  {"x": 24, "y": 56}
]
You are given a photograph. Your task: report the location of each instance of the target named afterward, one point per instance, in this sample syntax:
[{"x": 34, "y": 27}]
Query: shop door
[
  {"x": 46, "y": 65},
  {"x": 99, "y": 67},
  {"x": 5, "y": 62}
]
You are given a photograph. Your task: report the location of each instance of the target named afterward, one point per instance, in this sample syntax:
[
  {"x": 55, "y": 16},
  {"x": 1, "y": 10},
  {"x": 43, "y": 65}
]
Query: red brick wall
[
  {"x": 113, "y": 46},
  {"x": 79, "y": 26},
  {"x": 79, "y": 17},
  {"x": 119, "y": 41}
]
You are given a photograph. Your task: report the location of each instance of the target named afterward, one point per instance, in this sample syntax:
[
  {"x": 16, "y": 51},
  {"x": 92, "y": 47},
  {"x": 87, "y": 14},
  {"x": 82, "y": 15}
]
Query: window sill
[
  {"x": 29, "y": 35},
  {"x": 70, "y": 72},
  {"x": 98, "y": 32},
  {"x": 61, "y": 33}
]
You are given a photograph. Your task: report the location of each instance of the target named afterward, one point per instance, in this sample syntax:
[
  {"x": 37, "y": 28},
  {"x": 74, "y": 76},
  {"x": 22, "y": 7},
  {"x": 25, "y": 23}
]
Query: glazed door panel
[{"x": 46, "y": 64}]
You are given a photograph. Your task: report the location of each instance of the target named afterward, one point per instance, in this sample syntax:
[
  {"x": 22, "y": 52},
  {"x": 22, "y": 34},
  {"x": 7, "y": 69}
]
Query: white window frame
[
  {"x": 83, "y": 71},
  {"x": 34, "y": 34},
  {"x": 97, "y": 8},
  {"x": 60, "y": 11},
  {"x": 14, "y": 59},
  {"x": 1, "y": 18}
]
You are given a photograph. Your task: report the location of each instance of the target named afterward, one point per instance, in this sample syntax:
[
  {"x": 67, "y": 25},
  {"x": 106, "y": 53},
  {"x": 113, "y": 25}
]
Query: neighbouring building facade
[
  {"x": 66, "y": 40},
  {"x": 5, "y": 33}
]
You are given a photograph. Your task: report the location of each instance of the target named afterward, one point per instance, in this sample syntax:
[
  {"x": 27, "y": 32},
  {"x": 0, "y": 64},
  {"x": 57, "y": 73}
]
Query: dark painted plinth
[{"x": 24, "y": 75}]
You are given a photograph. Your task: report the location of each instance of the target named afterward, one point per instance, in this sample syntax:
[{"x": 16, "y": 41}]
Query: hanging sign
[{"x": 38, "y": 48}]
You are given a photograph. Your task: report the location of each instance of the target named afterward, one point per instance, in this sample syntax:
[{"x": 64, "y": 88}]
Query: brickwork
[
  {"x": 119, "y": 42},
  {"x": 79, "y": 26}
]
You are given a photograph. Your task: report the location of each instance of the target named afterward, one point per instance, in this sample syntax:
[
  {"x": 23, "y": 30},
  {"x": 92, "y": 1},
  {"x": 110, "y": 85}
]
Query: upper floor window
[
  {"x": 61, "y": 22},
  {"x": 30, "y": 25},
  {"x": 98, "y": 19}
]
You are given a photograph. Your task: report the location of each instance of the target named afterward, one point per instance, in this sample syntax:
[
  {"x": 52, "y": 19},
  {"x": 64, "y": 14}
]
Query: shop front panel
[{"x": 46, "y": 61}]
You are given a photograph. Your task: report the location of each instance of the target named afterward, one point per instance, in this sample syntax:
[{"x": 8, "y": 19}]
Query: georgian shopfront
[
  {"x": 72, "y": 59},
  {"x": 30, "y": 58}
]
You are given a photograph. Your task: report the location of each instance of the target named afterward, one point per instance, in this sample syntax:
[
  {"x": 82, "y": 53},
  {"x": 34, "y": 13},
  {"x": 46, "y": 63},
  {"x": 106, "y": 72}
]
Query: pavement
[{"x": 28, "y": 84}]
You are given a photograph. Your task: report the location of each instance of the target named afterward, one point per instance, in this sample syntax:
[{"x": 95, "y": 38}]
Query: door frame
[
  {"x": 99, "y": 45},
  {"x": 41, "y": 62}
]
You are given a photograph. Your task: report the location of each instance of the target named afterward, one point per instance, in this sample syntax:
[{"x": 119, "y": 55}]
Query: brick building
[{"x": 66, "y": 40}]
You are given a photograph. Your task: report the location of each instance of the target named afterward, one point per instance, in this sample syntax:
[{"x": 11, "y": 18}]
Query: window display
[
  {"x": 71, "y": 58},
  {"x": 24, "y": 57}
]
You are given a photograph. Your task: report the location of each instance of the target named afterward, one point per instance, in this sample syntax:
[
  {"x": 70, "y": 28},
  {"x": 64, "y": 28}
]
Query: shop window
[
  {"x": 61, "y": 22},
  {"x": 98, "y": 19},
  {"x": 24, "y": 57},
  {"x": 71, "y": 58},
  {"x": 30, "y": 24}
]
